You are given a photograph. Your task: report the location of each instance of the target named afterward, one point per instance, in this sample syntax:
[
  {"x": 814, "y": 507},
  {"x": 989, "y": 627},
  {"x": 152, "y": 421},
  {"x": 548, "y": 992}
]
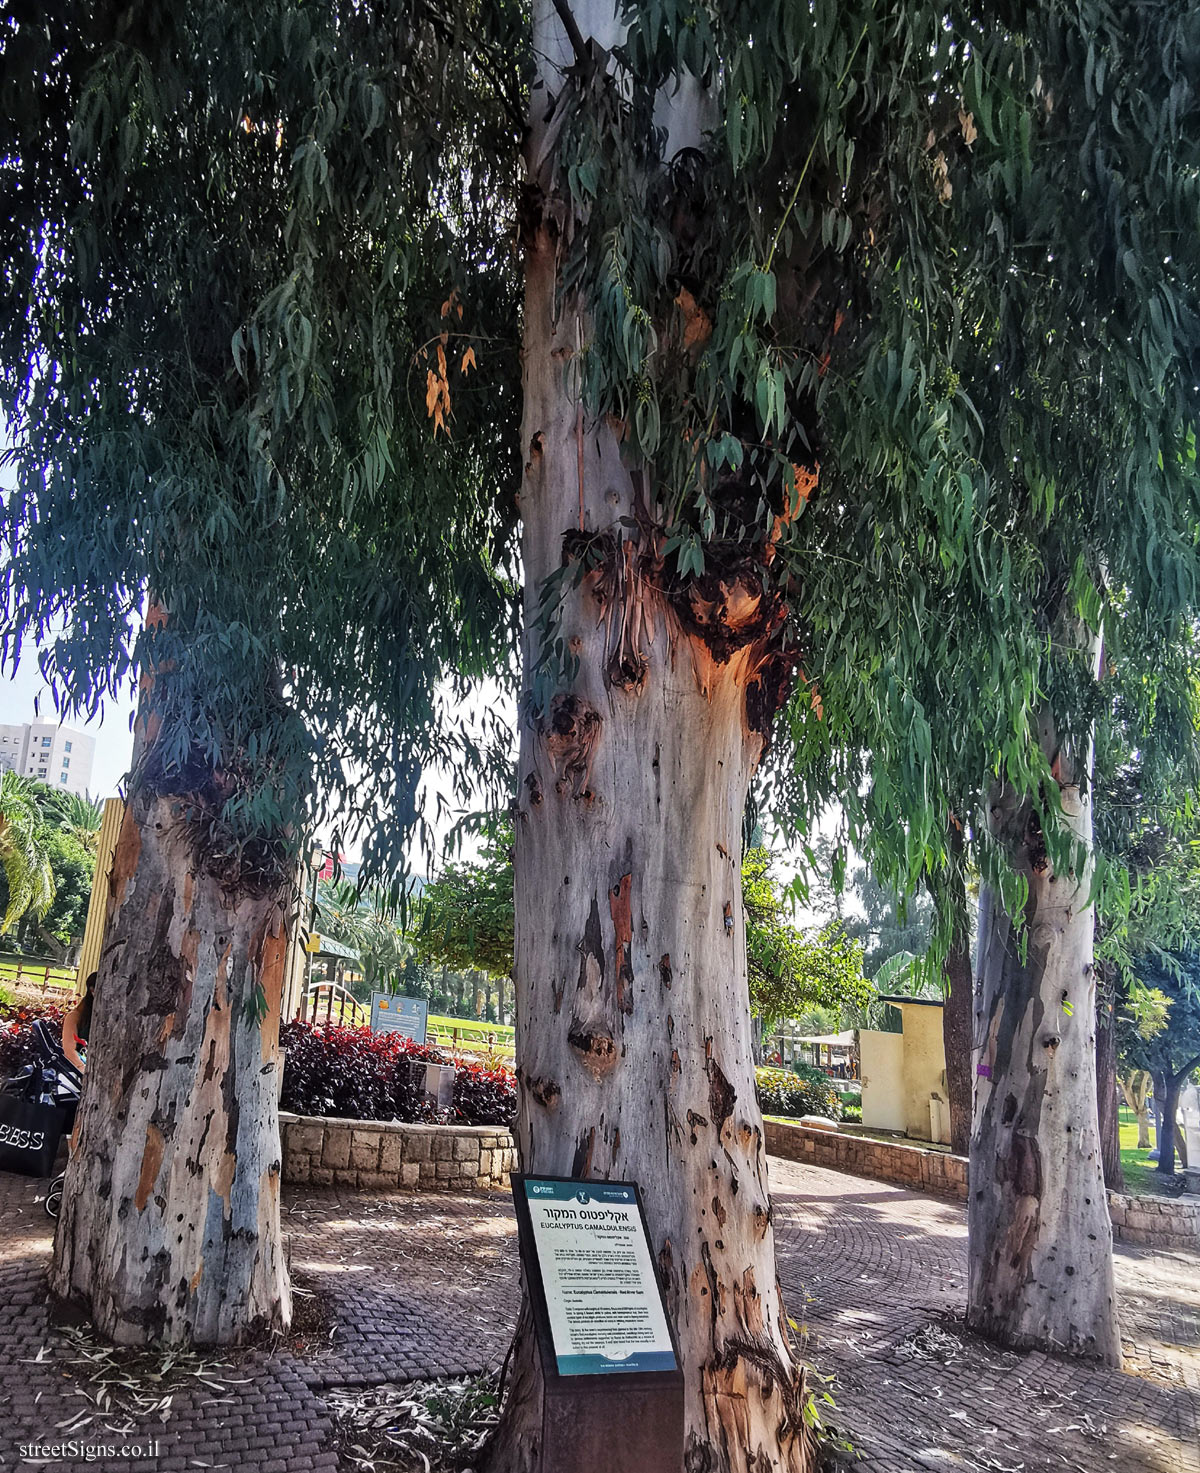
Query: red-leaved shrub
[
  {"x": 16, "y": 1034},
  {"x": 359, "y": 1075},
  {"x": 331, "y": 1070}
]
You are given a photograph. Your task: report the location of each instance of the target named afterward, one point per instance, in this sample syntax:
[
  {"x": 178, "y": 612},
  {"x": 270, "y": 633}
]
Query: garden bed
[{"x": 354, "y": 1074}]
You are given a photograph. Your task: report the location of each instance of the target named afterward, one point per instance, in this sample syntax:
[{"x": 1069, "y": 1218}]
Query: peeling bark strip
[
  {"x": 1040, "y": 1237},
  {"x": 170, "y": 1220},
  {"x": 622, "y": 922},
  {"x": 651, "y": 747}
]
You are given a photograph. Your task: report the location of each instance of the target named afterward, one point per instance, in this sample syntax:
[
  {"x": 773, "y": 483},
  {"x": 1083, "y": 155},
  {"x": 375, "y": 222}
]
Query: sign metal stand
[{"x": 599, "y": 1414}]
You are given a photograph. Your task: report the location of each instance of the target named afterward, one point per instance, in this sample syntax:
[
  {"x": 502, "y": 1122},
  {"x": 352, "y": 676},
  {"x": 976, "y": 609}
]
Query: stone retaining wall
[
  {"x": 1154, "y": 1222},
  {"x": 906, "y": 1166},
  {"x": 378, "y": 1155}
]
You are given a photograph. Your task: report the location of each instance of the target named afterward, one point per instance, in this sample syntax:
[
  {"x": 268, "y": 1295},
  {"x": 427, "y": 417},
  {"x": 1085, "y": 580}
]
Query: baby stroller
[{"x": 41, "y": 1101}]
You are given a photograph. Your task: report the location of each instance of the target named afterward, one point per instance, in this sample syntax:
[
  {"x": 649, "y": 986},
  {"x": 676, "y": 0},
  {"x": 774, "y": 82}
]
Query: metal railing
[{"x": 327, "y": 1002}]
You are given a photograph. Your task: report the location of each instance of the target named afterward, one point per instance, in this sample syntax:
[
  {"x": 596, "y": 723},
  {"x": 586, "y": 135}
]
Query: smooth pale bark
[
  {"x": 170, "y": 1223},
  {"x": 1040, "y": 1238},
  {"x": 634, "y": 1046}
]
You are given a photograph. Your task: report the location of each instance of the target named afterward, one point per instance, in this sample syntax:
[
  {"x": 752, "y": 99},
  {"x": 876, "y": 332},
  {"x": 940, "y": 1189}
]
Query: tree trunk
[
  {"x": 957, "y": 1022},
  {"x": 958, "y": 1005},
  {"x": 1107, "y": 1097},
  {"x": 1040, "y": 1238},
  {"x": 634, "y": 1039},
  {"x": 170, "y": 1220},
  {"x": 1136, "y": 1090},
  {"x": 1172, "y": 1084},
  {"x": 1160, "y": 1091}
]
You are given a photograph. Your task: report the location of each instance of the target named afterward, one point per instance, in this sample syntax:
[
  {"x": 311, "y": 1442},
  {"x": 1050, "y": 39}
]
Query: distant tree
[
  {"x": 465, "y": 916},
  {"x": 1169, "y": 1050},
  {"x": 74, "y": 867},
  {"x": 789, "y": 971},
  {"x": 891, "y": 923},
  {"x": 28, "y": 875},
  {"x": 360, "y": 921},
  {"x": 78, "y": 814},
  {"x": 63, "y": 836}
]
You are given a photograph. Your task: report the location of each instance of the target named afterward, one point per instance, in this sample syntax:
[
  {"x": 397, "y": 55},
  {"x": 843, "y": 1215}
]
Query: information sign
[
  {"x": 603, "y": 1304},
  {"x": 391, "y": 1013}
]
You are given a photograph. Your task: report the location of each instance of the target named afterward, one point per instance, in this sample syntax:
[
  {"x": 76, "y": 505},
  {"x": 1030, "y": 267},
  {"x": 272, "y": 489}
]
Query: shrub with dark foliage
[
  {"x": 16, "y": 1035},
  {"x": 359, "y": 1075},
  {"x": 807, "y": 1092}
]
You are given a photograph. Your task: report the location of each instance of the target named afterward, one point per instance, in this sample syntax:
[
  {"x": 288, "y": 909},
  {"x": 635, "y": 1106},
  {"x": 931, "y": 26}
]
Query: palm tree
[
  {"x": 78, "y": 815},
  {"x": 360, "y": 921},
  {"x": 23, "y": 855}
]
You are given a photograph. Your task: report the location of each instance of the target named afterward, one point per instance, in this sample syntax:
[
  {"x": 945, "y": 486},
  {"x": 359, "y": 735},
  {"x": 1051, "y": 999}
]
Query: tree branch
[
  {"x": 583, "y": 54},
  {"x": 1185, "y": 1071}
]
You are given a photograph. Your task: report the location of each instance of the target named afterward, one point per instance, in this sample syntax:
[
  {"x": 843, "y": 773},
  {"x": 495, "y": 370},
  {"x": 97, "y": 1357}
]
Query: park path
[{"x": 426, "y": 1285}]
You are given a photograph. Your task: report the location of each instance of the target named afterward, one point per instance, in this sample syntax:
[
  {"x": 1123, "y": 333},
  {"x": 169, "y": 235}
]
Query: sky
[{"x": 25, "y": 697}]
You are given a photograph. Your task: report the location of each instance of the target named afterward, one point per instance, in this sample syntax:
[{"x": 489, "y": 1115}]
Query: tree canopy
[
  {"x": 236, "y": 255},
  {"x": 939, "y": 367},
  {"x": 790, "y": 972}
]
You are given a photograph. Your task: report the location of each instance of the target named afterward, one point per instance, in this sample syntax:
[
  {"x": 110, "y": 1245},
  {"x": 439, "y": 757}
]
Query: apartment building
[{"x": 58, "y": 755}]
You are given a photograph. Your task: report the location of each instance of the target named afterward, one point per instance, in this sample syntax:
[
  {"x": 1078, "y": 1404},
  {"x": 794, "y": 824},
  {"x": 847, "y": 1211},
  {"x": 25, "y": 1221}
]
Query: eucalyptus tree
[
  {"x": 961, "y": 649},
  {"x": 769, "y": 252},
  {"x": 812, "y": 293},
  {"x": 229, "y": 263}
]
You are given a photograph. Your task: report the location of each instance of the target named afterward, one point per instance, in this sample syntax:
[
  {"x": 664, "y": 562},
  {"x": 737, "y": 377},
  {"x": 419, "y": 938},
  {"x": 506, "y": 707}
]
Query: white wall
[{"x": 881, "y": 1064}]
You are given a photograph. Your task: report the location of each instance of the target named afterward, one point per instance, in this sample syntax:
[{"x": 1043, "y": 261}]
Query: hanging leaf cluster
[{"x": 227, "y": 234}]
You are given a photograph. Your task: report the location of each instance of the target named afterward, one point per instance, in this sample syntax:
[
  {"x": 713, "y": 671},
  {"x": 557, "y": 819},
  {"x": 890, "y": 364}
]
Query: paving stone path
[{"x": 426, "y": 1285}]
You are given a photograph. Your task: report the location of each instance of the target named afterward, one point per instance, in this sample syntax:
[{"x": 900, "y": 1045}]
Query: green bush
[{"x": 806, "y": 1092}]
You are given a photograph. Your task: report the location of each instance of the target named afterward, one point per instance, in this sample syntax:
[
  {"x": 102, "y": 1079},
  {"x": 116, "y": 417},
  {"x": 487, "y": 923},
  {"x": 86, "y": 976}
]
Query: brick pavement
[{"x": 420, "y": 1285}]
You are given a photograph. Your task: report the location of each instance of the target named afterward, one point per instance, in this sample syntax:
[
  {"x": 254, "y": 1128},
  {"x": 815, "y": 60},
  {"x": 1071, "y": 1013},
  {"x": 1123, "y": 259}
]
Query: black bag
[{"x": 29, "y": 1136}]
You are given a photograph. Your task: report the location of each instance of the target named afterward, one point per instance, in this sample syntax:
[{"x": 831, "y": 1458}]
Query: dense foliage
[
  {"x": 360, "y": 1075},
  {"x": 24, "y": 863},
  {"x": 233, "y": 258},
  {"x": 806, "y": 1091},
  {"x": 48, "y": 840},
  {"x": 465, "y": 917},
  {"x": 789, "y": 971},
  {"x": 16, "y": 1033}
]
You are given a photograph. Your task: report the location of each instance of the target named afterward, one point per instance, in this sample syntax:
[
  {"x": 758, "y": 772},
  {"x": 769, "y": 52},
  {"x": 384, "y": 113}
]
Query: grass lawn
[{"x": 1141, "y": 1179}]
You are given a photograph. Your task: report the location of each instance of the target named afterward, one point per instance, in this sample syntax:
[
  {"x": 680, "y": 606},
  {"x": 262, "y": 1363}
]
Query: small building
[{"x": 904, "y": 1074}]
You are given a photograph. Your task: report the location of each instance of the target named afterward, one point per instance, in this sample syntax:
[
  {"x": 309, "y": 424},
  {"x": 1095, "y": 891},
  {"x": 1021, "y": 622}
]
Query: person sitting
[{"x": 77, "y": 1024}]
